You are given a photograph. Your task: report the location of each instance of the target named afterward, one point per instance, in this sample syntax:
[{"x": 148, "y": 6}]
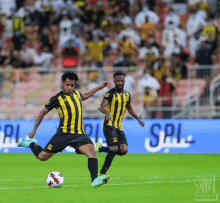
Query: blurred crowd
[{"x": 145, "y": 34}]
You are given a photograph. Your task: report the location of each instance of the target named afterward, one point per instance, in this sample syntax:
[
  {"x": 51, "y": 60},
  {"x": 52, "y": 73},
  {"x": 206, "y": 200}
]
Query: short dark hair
[
  {"x": 71, "y": 75},
  {"x": 119, "y": 73}
]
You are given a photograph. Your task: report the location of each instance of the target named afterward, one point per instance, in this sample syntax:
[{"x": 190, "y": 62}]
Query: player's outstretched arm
[
  {"x": 103, "y": 109},
  {"x": 38, "y": 121},
  {"x": 91, "y": 92},
  {"x": 132, "y": 113}
]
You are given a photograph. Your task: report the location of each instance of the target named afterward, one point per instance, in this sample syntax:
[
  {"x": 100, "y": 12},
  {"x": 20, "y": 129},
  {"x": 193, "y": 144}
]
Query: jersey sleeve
[
  {"x": 108, "y": 96},
  {"x": 128, "y": 96},
  {"x": 52, "y": 103},
  {"x": 79, "y": 94}
]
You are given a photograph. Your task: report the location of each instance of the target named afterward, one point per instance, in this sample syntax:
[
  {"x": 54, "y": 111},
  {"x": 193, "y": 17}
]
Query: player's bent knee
[
  {"x": 124, "y": 152},
  {"x": 43, "y": 157},
  {"x": 88, "y": 150}
]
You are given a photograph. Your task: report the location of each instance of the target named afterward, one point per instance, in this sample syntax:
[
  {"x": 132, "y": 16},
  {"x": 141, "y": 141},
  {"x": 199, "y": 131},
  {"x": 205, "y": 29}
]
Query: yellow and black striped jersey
[
  {"x": 117, "y": 103},
  {"x": 69, "y": 108}
]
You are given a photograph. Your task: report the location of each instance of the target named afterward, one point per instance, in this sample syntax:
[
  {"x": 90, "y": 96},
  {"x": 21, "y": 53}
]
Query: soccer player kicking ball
[
  {"x": 114, "y": 104},
  {"x": 70, "y": 131}
]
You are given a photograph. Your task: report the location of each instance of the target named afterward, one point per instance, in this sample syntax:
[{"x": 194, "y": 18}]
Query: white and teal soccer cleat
[
  {"x": 101, "y": 180},
  {"x": 98, "y": 145},
  {"x": 97, "y": 182},
  {"x": 105, "y": 178},
  {"x": 26, "y": 143}
]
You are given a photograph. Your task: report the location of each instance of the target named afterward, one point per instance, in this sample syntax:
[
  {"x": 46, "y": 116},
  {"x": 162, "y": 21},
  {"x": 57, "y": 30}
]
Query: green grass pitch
[{"x": 136, "y": 178}]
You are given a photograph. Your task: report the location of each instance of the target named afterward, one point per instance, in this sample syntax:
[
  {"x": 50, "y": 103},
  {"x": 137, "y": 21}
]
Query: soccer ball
[{"x": 55, "y": 179}]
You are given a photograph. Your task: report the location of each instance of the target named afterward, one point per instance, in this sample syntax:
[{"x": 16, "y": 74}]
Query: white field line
[
  {"x": 141, "y": 183},
  {"x": 150, "y": 177}
]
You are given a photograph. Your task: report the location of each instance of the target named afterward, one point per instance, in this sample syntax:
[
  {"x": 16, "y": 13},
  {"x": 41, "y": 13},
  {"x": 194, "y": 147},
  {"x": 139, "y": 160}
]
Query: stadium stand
[{"x": 30, "y": 88}]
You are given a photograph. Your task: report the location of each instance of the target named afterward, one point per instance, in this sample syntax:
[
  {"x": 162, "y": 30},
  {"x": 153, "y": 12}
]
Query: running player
[
  {"x": 70, "y": 131},
  {"x": 114, "y": 104}
]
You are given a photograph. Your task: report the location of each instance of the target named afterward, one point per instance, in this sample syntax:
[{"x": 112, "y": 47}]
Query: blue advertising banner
[{"x": 159, "y": 136}]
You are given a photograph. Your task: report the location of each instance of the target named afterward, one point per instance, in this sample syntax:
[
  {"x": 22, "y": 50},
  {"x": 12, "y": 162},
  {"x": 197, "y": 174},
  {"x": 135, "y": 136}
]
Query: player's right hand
[
  {"x": 108, "y": 116},
  {"x": 141, "y": 123},
  {"x": 32, "y": 133}
]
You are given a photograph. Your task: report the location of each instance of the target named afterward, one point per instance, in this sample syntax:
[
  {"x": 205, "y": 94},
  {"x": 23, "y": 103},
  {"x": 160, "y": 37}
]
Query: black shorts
[
  {"x": 114, "y": 136},
  {"x": 61, "y": 140}
]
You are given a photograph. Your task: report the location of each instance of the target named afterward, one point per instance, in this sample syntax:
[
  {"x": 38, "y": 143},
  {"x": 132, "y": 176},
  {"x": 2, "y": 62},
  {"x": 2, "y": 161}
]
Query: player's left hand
[
  {"x": 103, "y": 85},
  {"x": 141, "y": 123},
  {"x": 32, "y": 133}
]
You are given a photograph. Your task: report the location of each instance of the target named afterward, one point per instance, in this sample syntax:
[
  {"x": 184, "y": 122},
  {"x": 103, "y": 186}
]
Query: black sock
[
  {"x": 108, "y": 160},
  {"x": 36, "y": 149},
  {"x": 93, "y": 167},
  {"x": 104, "y": 149}
]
